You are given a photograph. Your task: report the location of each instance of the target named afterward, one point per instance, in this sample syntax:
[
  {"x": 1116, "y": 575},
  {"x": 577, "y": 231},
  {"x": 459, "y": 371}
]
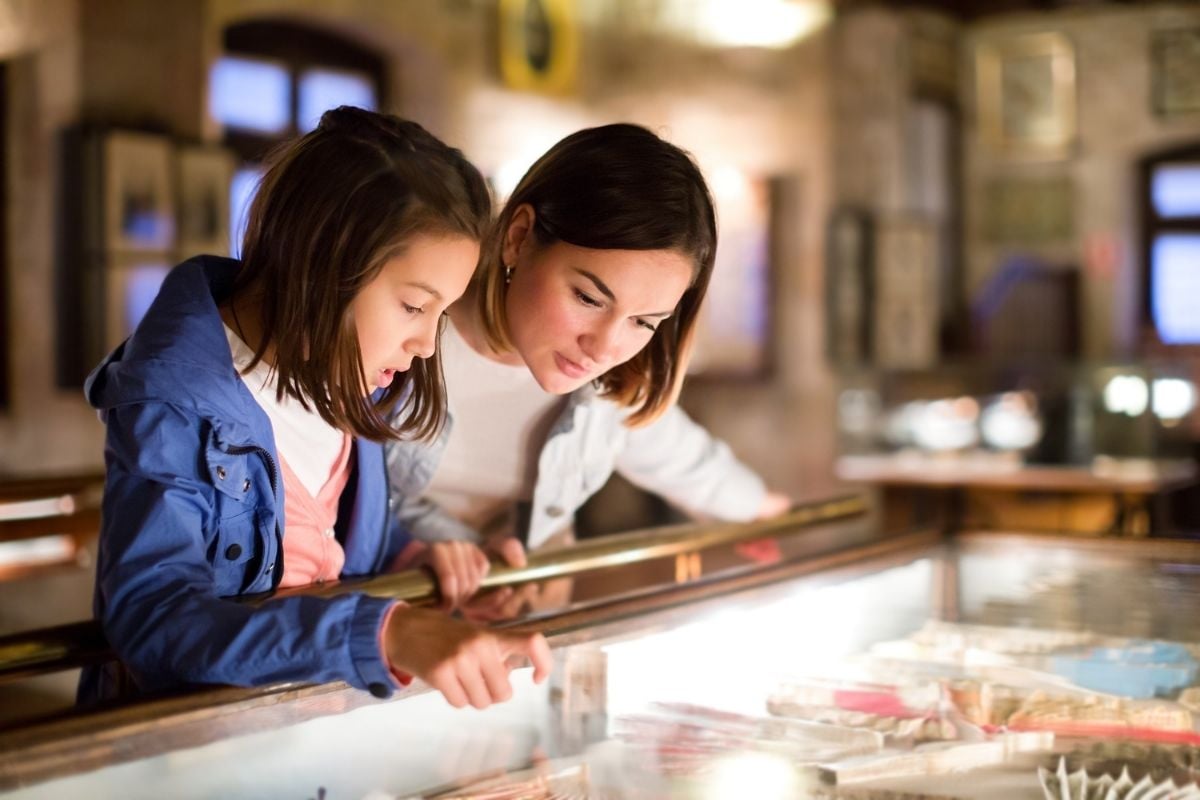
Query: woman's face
[{"x": 574, "y": 313}]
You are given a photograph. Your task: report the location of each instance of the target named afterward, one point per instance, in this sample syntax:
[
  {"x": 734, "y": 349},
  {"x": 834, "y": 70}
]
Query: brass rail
[{"x": 81, "y": 643}]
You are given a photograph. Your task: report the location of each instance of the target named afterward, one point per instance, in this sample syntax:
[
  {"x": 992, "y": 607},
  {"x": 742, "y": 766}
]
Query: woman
[{"x": 565, "y": 356}]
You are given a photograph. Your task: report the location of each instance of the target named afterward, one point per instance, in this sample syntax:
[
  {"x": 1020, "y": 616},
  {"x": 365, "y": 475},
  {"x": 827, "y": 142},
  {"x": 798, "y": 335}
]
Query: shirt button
[
  {"x": 246, "y": 485},
  {"x": 220, "y": 473},
  {"x": 233, "y": 551},
  {"x": 554, "y": 511},
  {"x": 329, "y": 533},
  {"x": 378, "y": 690}
]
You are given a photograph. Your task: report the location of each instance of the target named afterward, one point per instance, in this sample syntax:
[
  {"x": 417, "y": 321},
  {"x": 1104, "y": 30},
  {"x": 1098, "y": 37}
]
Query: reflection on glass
[
  {"x": 250, "y": 94},
  {"x": 142, "y": 283},
  {"x": 1175, "y": 190},
  {"x": 1174, "y": 287},
  {"x": 322, "y": 89}
]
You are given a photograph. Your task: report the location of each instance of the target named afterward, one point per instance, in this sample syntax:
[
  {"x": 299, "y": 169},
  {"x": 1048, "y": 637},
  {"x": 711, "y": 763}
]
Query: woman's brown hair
[
  {"x": 332, "y": 209},
  {"x": 615, "y": 187}
]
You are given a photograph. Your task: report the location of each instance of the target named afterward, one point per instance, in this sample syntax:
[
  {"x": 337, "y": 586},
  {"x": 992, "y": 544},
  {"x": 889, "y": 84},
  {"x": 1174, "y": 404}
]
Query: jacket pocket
[{"x": 238, "y": 549}]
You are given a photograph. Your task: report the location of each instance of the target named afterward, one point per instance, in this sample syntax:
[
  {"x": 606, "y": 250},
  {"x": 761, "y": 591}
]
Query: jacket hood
[{"x": 179, "y": 354}]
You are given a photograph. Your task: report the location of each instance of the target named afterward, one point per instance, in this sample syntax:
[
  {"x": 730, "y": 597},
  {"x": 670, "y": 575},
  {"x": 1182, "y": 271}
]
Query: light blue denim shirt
[{"x": 672, "y": 457}]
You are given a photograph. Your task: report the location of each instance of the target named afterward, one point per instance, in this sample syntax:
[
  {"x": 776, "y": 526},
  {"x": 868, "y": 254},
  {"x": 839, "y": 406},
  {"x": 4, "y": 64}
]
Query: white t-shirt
[
  {"x": 309, "y": 444},
  {"x": 501, "y": 419}
]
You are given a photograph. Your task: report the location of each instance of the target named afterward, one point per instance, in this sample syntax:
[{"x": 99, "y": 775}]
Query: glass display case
[{"x": 976, "y": 666}]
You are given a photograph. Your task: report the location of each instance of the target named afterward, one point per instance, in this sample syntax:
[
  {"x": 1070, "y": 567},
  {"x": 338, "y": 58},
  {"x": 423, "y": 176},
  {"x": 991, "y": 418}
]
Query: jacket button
[
  {"x": 554, "y": 511},
  {"x": 378, "y": 690},
  {"x": 233, "y": 551},
  {"x": 220, "y": 473},
  {"x": 246, "y": 485}
]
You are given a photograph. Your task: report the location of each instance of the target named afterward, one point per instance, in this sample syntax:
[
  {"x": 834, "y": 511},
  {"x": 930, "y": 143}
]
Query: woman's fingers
[
  {"x": 510, "y": 550},
  {"x": 532, "y": 647},
  {"x": 460, "y": 568}
]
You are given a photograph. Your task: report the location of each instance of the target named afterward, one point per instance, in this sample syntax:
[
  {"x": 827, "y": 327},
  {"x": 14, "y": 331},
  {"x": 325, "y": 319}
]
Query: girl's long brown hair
[
  {"x": 332, "y": 209},
  {"x": 615, "y": 187}
]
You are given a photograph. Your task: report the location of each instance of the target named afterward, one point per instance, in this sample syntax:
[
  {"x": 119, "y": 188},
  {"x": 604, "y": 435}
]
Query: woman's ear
[{"x": 520, "y": 228}]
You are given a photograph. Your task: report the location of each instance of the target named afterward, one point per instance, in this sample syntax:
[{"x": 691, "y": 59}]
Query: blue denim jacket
[
  {"x": 673, "y": 457},
  {"x": 193, "y": 513}
]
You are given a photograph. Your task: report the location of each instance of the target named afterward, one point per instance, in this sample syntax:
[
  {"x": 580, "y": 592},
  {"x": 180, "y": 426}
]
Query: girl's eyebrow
[
  {"x": 607, "y": 292},
  {"x": 425, "y": 286}
]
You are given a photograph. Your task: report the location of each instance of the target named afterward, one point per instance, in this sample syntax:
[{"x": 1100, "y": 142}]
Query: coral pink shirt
[{"x": 311, "y": 553}]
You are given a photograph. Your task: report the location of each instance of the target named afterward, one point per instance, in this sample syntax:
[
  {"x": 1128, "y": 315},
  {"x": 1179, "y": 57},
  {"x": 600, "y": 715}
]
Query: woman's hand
[
  {"x": 774, "y": 504},
  {"x": 468, "y": 665},
  {"x": 508, "y": 549},
  {"x": 766, "y": 551},
  {"x": 459, "y": 568}
]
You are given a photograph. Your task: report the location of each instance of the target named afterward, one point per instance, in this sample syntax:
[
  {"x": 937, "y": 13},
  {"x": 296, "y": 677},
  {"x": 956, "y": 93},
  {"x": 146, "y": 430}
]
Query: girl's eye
[
  {"x": 587, "y": 300},
  {"x": 412, "y": 309},
  {"x": 647, "y": 325}
]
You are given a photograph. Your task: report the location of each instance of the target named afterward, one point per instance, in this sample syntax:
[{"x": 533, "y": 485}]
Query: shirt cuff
[
  {"x": 370, "y": 667},
  {"x": 400, "y": 678}
]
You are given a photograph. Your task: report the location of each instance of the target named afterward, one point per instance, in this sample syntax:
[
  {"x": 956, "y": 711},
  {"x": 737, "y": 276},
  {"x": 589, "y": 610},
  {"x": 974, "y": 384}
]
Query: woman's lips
[
  {"x": 384, "y": 379},
  {"x": 568, "y": 367}
]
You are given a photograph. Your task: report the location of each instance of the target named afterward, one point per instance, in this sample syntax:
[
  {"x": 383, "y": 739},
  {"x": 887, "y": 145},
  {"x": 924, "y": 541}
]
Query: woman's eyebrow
[
  {"x": 600, "y": 285},
  {"x": 607, "y": 292},
  {"x": 426, "y": 287}
]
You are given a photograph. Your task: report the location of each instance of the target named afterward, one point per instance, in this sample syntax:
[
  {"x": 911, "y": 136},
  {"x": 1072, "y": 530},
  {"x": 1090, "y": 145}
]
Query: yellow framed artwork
[
  {"x": 1026, "y": 94},
  {"x": 539, "y": 45}
]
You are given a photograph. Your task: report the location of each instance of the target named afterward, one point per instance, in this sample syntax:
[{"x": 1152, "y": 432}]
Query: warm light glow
[
  {"x": 1011, "y": 422},
  {"x": 759, "y": 775},
  {"x": 1174, "y": 398},
  {"x": 1126, "y": 394},
  {"x": 947, "y": 424},
  {"x": 750, "y": 23},
  {"x": 37, "y": 551}
]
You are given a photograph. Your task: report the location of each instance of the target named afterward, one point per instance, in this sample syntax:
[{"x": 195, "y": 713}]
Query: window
[
  {"x": 274, "y": 82},
  {"x": 1171, "y": 245}
]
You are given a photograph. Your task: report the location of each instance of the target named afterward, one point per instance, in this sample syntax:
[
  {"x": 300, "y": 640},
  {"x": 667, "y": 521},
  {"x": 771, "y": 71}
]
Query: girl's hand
[
  {"x": 459, "y": 568},
  {"x": 468, "y": 665}
]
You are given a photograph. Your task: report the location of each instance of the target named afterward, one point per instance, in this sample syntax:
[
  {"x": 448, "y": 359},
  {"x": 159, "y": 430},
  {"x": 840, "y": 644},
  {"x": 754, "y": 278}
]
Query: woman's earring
[{"x": 507, "y": 275}]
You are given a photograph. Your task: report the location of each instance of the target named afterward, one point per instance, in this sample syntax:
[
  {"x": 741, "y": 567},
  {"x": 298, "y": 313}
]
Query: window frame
[
  {"x": 298, "y": 48},
  {"x": 1155, "y": 225}
]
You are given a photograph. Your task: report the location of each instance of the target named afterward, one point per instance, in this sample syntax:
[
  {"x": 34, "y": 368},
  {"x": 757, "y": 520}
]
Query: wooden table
[{"x": 1124, "y": 498}]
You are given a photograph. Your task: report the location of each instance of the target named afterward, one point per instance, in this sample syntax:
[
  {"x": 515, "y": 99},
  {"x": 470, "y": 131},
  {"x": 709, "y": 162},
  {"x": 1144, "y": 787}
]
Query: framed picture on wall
[
  {"x": 1025, "y": 94},
  {"x": 1176, "y": 72},
  {"x": 138, "y": 196},
  {"x": 848, "y": 287},
  {"x": 733, "y": 338},
  {"x": 906, "y": 311},
  {"x": 203, "y": 177},
  {"x": 130, "y": 286},
  {"x": 538, "y": 45}
]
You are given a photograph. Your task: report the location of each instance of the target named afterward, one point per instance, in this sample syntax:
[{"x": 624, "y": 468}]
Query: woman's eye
[
  {"x": 412, "y": 309},
  {"x": 587, "y": 300},
  {"x": 647, "y": 325}
]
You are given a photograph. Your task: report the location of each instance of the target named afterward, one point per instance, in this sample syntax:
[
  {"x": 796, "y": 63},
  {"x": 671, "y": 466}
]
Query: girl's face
[
  {"x": 574, "y": 313},
  {"x": 397, "y": 313}
]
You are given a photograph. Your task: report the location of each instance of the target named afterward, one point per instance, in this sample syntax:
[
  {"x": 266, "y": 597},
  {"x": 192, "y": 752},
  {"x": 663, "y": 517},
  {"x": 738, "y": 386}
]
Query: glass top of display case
[{"x": 923, "y": 668}]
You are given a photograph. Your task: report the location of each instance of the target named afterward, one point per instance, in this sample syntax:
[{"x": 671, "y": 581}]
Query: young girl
[
  {"x": 564, "y": 358},
  {"x": 244, "y": 454}
]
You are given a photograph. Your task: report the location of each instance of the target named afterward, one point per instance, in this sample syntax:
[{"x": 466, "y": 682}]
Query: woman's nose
[{"x": 603, "y": 344}]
